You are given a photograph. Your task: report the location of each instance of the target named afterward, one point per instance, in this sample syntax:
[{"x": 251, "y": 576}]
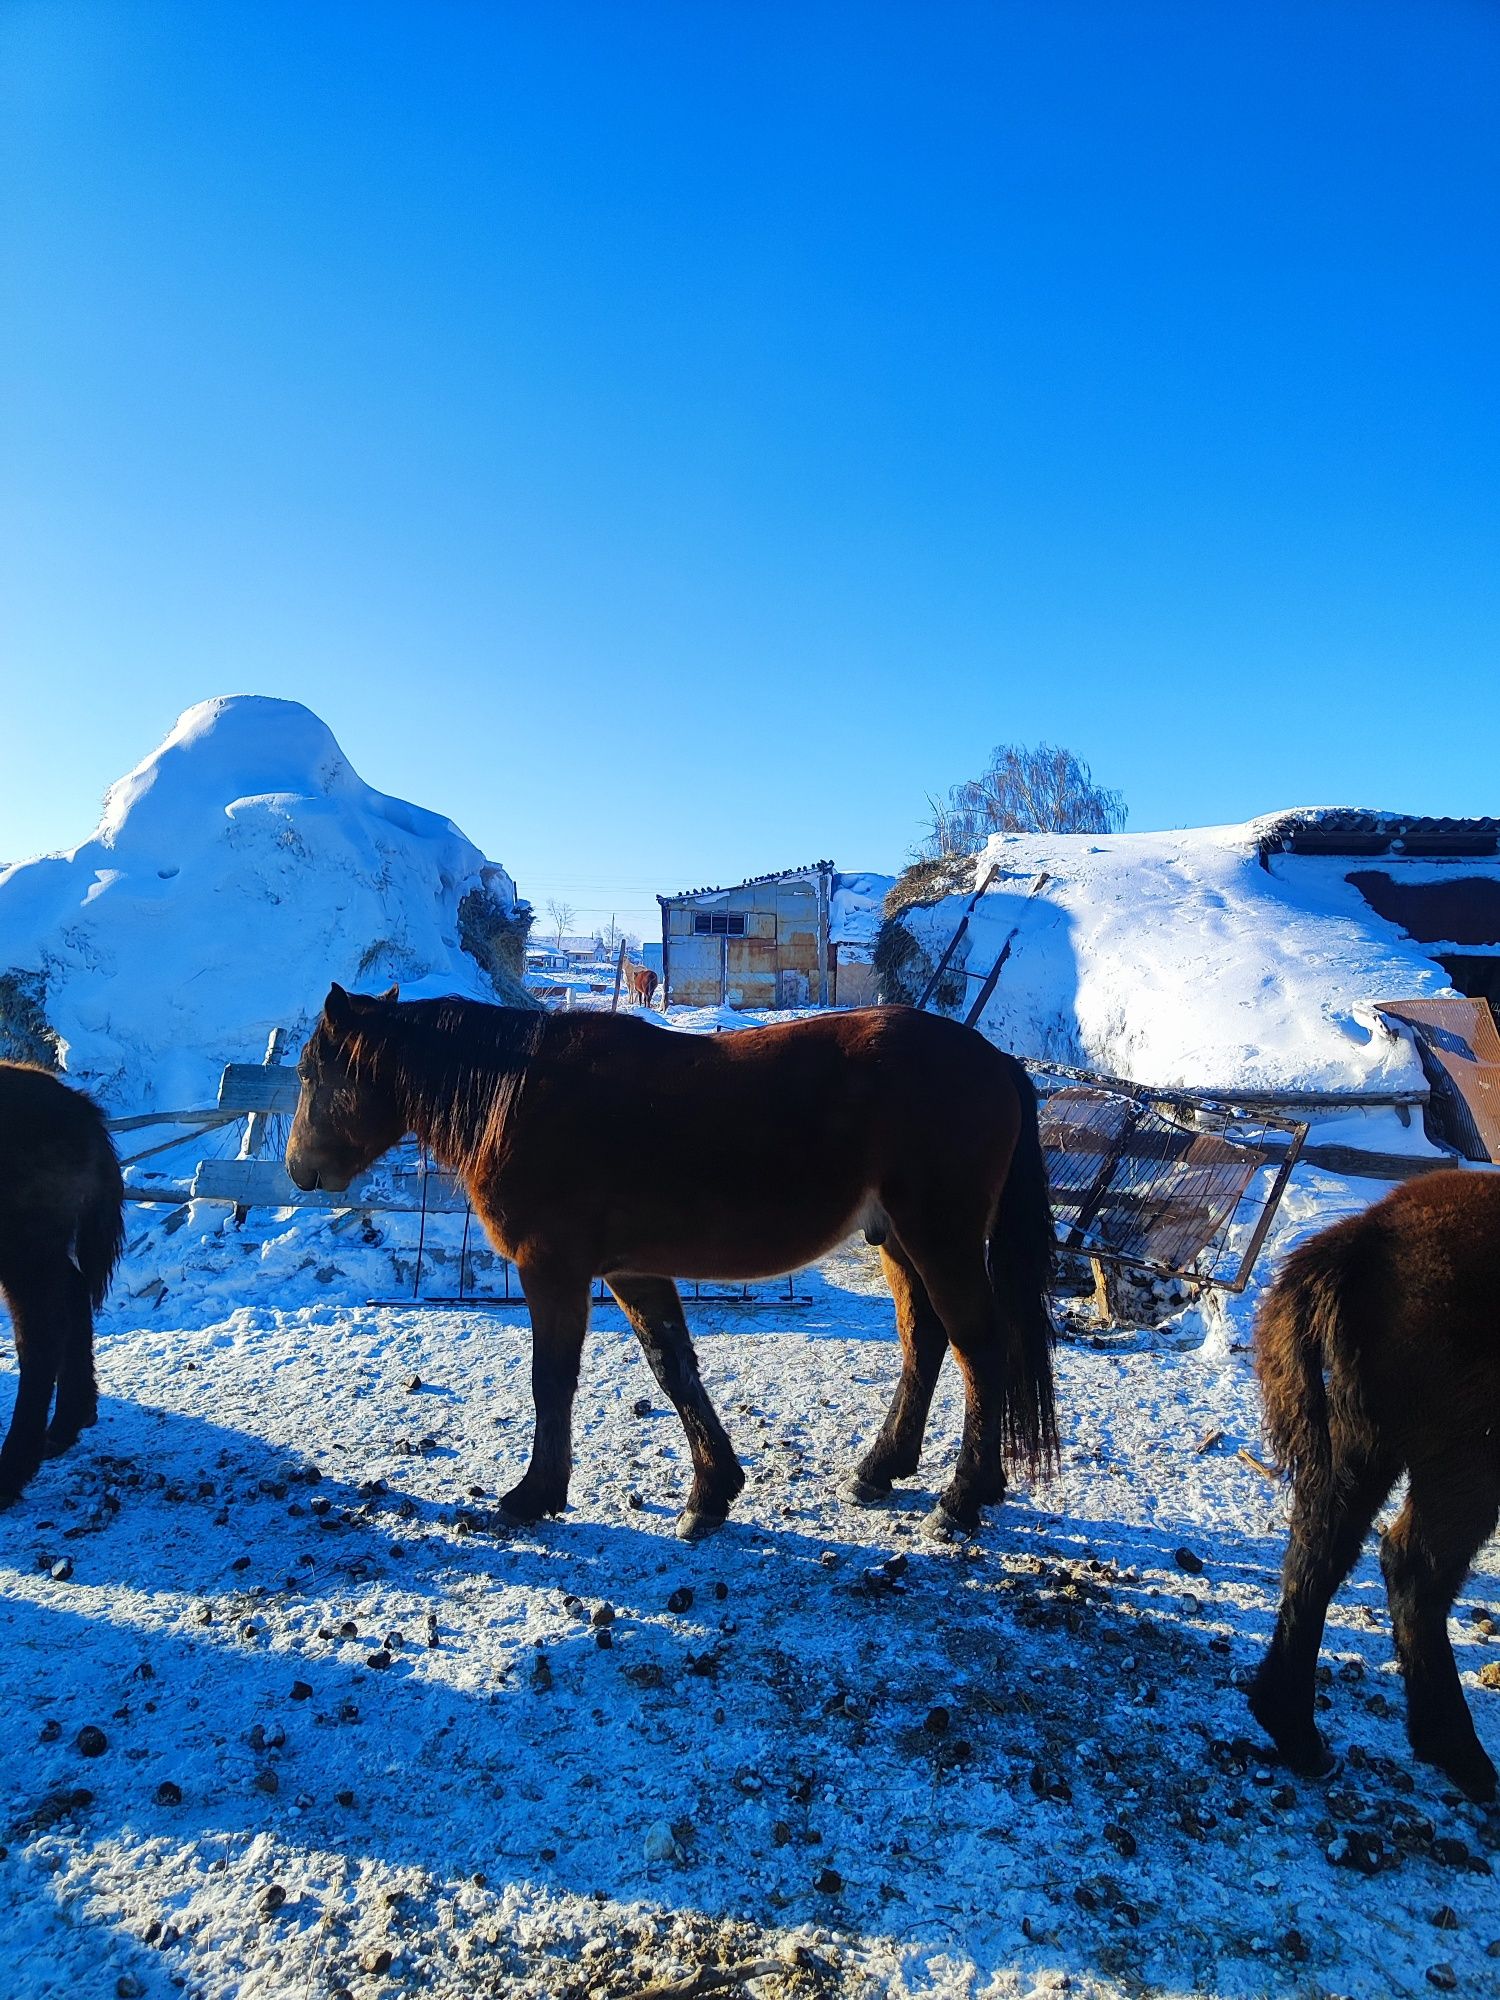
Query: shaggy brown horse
[
  {"x": 1378, "y": 1350},
  {"x": 60, "y": 1237},
  {"x": 642, "y": 984},
  {"x": 600, "y": 1145}
]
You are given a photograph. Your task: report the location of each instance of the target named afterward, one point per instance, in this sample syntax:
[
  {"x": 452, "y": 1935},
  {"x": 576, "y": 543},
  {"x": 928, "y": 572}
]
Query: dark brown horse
[
  {"x": 1378, "y": 1349},
  {"x": 60, "y": 1237},
  {"x": 599, "y": 1145}
]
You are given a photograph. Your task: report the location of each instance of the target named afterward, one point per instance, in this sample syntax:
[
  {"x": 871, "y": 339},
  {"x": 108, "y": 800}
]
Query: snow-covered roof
[
  {"x": 1361, "y": 829},
  {"x": 1197, "y": 958},
  {"x": 857, "y": 910},
  {"x": 807, "y": 872}
]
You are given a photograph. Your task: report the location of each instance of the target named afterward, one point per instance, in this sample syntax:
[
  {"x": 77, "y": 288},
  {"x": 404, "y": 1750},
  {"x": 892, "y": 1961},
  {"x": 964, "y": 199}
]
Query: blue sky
[{"x": 674, "y": 439}]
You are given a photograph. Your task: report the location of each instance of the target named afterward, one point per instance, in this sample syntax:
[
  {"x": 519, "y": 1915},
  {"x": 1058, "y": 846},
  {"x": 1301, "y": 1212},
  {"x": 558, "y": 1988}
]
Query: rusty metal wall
[
  {"x": 854, "y": 981},
  {"x": 775, "y": 962}
]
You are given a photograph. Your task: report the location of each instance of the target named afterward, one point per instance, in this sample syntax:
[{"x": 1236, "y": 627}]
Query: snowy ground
[{"x": 892, "y": 1767}]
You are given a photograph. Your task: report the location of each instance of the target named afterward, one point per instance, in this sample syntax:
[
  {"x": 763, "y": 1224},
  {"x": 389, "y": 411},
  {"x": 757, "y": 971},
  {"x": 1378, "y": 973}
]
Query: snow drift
[
  {"x": 233, "y": 873},
  {"x": 1177, "y": 959}
]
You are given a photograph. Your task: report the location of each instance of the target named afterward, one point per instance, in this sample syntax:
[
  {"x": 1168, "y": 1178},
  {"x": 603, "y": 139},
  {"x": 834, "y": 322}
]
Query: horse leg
[
  {"x": 1327, "y": 1533},
  {"x": 654, "y": 1309},
  {"x": 1450, "y": 1511},
  {"x": 77, "y": 1391},
  {"x": 957, "y": 1281},
  {"x": 897, "y": 1450},
  {"x": 36, "y": 1293},
  {"x": 559, "y": 1308}
]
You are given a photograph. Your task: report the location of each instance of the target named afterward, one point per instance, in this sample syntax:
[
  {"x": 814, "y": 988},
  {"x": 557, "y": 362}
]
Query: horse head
[{"x": 345, "y": 1117}]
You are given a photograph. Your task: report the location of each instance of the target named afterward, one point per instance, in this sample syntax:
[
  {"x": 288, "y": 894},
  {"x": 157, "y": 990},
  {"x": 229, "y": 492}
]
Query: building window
[{"x": 718, "y": 923}]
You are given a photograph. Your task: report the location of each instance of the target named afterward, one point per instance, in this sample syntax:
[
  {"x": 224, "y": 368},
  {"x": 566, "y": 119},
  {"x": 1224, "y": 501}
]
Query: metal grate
[{"x": 1182, "y": 1187}]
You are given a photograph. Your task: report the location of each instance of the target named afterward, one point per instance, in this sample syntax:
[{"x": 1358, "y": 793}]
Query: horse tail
[
  {"x": 1305, "y": 1358},
  {"x": 1023, "y": 1255},
  {"x": 100, "y": 1234}
]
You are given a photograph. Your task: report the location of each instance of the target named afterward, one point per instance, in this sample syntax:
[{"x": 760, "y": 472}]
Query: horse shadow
[{"x": 1028, "y": 1753}]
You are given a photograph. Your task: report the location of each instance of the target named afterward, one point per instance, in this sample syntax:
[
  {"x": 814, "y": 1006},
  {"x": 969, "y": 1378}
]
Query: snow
[
  {"x": 516, "y": 1808},
  {"x": 1177, "y": 959},
  {"x": 233, "y": 873},
  {"x": 855, "y": 913},
  {"x": 359, "y": 1741}
]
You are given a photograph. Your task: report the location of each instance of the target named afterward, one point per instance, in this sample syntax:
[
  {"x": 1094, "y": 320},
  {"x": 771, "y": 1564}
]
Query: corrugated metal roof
[{"x": 1326, "y": 828}]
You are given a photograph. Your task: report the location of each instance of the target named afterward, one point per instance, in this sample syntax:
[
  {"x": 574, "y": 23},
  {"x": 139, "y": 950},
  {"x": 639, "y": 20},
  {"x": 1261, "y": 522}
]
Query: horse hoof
[
  {"x": 1476, "y": 1784},
  {"x": 1474, "y": 1775},
  {"x": 516, "y": 1511},
  {"x": 695, "y": 1526},
  {"x": 864, "y": 1492},
  {"x": 941, "y": 1526},
  {"x": 1304, "y": 1759}
]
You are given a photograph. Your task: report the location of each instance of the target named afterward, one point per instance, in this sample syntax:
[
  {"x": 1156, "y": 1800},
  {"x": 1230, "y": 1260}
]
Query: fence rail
[{"x": 1176, "y": 1182}]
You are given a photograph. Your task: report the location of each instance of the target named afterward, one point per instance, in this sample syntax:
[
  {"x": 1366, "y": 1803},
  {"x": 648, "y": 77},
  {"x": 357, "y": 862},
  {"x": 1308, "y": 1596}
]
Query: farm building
[
  {"x": 1322, "y": 958},
  {"x": 1437, "y": 880},
  {"x": 803, "y": 937}
]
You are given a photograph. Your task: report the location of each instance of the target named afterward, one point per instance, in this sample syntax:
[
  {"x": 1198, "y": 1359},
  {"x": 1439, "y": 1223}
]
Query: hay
[
  {"x": 26, "y": 1035},
  {"x": 903, "y": 966},
  {"x": 494, "y": 934}
]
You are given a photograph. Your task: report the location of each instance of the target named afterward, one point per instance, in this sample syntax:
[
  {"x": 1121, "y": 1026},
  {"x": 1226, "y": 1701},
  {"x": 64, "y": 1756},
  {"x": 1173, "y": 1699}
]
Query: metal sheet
[
  {"x": 1460, "y": 1049},
  {"x": 696, "y": 971}
]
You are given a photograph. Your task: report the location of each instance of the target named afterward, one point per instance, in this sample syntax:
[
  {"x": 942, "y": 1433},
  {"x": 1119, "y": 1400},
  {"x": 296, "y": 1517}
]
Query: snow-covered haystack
[
  {"x": 234, "y": 872},
  {"x": 1178, "y": 959}
]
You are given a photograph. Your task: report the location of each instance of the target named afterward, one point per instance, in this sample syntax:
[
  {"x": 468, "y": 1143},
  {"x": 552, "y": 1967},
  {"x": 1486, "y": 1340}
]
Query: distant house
[
  {"x": 572, "y": 955},
  {"x": 801, "y": 937}
]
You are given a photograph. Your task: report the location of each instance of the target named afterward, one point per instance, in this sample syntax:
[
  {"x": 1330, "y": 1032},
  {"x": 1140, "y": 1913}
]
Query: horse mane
[{"x": 456, "y": 1067}]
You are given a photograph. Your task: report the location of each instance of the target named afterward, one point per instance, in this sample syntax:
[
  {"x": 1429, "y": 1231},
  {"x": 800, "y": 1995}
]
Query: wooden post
[
  {"x": 825, "y": 929},
  {"x": 953, "y": 943},
  {"x": 257, "y": 1125},
  {"x": 614, "y": 1005}
]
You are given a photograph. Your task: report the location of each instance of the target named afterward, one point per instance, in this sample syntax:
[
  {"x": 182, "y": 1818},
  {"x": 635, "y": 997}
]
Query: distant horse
[
  {"x": 642, "y": 984},
  {"x": 1378, "y": 1350},
  {"x": 60, "y": 1238},
  {"x": 594, "y": 1145}
]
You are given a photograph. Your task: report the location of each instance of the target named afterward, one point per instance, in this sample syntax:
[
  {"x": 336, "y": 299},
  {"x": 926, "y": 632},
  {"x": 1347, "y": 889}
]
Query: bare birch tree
[
  {"x": 1039, "y": 789},
  {"x": 562, "y": 921}
]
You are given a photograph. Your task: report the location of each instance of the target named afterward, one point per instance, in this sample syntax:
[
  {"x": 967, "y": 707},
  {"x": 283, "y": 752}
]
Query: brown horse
[
  {"x": 1378, "y": 1350},
  {"x": 598, "y": 1145},
  {"x": 60, "y": 1237},
  {"x": 642, "y": 984}
]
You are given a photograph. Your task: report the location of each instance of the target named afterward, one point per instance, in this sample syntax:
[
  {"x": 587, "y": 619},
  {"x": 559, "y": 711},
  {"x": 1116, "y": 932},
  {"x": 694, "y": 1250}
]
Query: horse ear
[
  {"x": 338, "y": 1009},
  {"x": 391, "y": 993}
]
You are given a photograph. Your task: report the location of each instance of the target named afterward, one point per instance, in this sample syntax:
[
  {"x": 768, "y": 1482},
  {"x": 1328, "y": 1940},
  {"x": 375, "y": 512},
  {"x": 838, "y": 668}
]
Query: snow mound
[
  {"x": 233, "y": 873},
  {"x": 1178, "y": 959},
  {"x": 858, "y": 905}
]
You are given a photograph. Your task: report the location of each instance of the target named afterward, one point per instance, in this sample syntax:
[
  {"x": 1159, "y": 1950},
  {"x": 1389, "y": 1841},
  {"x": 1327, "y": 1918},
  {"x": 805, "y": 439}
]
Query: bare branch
[{"x": 1043, "y": 789}]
